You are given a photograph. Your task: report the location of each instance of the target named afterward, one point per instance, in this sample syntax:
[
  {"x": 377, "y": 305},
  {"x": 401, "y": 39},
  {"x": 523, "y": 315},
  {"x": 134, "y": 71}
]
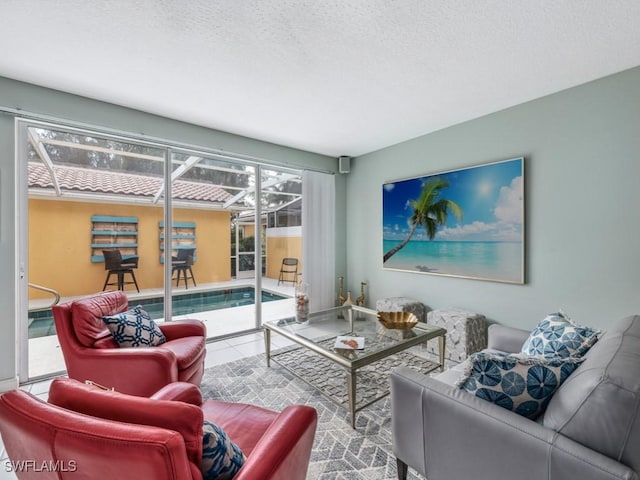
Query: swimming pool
[{"x": 41, "y": 322}]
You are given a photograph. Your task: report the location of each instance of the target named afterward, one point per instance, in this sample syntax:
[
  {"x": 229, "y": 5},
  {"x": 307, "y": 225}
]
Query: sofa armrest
[
  {"x": 179, "y": 392},
  {"x": 183, "y": 328},
  {"x": 506, "y": 339},
  {"x": 444, "y": 432},
  {"x": 283, "y": 452}
]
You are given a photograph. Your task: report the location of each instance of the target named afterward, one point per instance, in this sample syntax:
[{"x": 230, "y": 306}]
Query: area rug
[{"x": 339, "y": 452}]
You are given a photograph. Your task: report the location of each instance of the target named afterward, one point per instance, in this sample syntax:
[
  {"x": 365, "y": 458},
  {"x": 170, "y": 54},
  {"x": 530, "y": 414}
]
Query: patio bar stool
[
  {"x": 182, "y": 263},
  {"x": 118, "y": 266}
]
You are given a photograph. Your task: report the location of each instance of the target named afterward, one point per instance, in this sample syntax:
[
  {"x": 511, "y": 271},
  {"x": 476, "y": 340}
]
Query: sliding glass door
[
  {"x": 281, "y": 222},
  {"x": 207, "y": 193},
  {"x": 87, "y": 209},
  {"x": 212, "y": 252}
]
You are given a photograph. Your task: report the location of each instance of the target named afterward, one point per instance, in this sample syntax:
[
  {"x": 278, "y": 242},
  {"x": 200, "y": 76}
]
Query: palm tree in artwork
[{"x": 429, "y": 211}]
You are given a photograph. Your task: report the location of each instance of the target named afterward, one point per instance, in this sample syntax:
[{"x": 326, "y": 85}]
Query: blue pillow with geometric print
[
  {"x": 221, "y": 457},
  {"x": 134, "y": 328},
  {"x": 558, "y": 336},
  {"x": 521, "y": 383}
]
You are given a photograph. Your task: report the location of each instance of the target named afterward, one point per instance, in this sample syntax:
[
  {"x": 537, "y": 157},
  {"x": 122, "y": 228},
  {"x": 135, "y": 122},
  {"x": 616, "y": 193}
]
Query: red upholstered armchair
[
  {"x": 86, "y": 432},
  {"x": 90, "y": 352}
]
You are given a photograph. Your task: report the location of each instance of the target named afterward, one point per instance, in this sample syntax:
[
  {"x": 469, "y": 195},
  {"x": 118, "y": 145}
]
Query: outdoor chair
[
  {"x": 182, "y": 263},
  {"x": 118, "y": 266},
  {"x": 288, "y": 270}
]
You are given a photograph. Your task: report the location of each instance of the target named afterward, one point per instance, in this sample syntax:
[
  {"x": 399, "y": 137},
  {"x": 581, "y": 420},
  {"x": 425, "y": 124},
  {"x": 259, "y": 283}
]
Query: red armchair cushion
[
  {"x": 178, "y": 416},
  {"x": 87, "y": 313},
  {"x": 187, "y": 350},
  {"x": 245, "y": 424},
  {"x": 277, "y": 444},
  {"x": 106, "y": 342}
]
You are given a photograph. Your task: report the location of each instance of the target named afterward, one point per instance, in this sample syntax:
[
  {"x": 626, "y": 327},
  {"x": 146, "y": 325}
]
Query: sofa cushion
[
  {"x": 134, "y": 328},
  {"x": 521, "y": 383},
  {"x": 599, "y": 405},
  {"x": 87, "y": 313},
  {"x": 221, "y": 457},
  {"x": 558, "y": 336}
]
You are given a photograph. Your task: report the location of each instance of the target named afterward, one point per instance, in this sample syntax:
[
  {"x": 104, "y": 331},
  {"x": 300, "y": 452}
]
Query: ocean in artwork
[{"x": 498, "y": 261}]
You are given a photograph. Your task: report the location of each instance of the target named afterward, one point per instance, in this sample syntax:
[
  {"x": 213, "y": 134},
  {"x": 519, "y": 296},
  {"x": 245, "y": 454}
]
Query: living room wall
[
  {"x": 17, "y": 97},
  {"x": 582, "y": 167}
]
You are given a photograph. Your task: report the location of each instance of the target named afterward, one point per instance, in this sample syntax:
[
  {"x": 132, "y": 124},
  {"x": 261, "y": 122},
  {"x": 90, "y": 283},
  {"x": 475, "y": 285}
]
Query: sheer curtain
[{"x": 318, "y": 238}]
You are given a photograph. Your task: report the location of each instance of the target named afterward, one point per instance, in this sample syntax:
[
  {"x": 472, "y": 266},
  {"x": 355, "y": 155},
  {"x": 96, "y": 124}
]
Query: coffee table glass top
[
  {"x": 323, "y": 327},
  {"x": 367, "y": 368}
]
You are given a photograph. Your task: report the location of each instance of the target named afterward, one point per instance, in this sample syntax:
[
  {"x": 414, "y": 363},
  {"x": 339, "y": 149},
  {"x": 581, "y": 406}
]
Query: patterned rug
[
  {"x": 330, "y": 378},
  {"x": 339, "y": 452}
]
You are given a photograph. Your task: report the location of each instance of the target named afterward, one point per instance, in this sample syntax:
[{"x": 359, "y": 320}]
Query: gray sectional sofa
[{"x": 589, "y": 431}]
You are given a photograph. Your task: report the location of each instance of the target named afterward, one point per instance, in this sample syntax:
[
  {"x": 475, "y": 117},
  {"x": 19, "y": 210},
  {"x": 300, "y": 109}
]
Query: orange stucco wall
[
  {"x": 279, "y": 248},
  {"x": 60, "y": 245},
  {"x": 248, "y": 230}
]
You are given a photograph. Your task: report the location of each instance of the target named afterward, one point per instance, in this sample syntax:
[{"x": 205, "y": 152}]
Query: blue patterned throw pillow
[
  {"x": 221, "y": 458},
  {"x": 134, "y": 328},
  {"x": 558, "y": 336},
  {"x": 521, "y": 383}
]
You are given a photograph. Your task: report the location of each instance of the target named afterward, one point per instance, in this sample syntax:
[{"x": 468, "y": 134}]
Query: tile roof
[{"x": 104, "y": 181}]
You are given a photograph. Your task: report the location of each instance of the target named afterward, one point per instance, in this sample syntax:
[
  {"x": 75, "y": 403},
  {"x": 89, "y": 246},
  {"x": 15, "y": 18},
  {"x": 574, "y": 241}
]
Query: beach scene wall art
[{"x": 464, "y": 223}]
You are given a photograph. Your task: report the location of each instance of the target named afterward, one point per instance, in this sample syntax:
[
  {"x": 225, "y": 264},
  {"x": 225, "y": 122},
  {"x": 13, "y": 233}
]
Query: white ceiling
[{"x": 337, "y": 77}]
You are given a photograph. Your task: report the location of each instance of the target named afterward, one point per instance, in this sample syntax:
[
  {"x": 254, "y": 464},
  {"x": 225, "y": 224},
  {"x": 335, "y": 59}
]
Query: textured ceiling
[{"x": 338, "y": 77}]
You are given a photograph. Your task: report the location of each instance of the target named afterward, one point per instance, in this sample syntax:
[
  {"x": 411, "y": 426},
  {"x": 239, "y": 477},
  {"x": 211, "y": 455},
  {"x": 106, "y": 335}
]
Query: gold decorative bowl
[{"x": 398, "y": 320}]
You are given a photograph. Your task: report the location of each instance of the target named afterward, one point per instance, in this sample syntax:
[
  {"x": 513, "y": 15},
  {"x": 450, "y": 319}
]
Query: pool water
[
  {"x": 41, "y": 322},
  {"x": 205, "y": 301}
]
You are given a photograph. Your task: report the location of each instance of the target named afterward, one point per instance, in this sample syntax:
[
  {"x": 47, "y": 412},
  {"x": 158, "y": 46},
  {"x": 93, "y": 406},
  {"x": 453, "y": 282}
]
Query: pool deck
[{"x": 45, "y": 356}]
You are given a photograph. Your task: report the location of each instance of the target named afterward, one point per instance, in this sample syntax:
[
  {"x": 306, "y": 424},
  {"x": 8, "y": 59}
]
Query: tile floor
[{"x": 218, "y": 352}]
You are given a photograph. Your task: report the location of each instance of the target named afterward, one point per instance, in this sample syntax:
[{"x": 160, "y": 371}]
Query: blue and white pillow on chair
[
  {"x": 521, "y": 383},
  {"x": 558, "y": 336},
  {"x": 221, "y": 457},
  {"x": 134, "y": 328}
]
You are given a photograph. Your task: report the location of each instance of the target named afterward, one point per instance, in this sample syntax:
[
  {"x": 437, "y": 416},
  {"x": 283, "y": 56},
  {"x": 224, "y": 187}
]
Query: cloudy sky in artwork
[{"x": 491, "y": 198}]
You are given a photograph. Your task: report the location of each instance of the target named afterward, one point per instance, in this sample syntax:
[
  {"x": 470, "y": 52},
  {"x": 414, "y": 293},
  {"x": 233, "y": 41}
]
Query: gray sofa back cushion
[{"x": 599, "y": 404}]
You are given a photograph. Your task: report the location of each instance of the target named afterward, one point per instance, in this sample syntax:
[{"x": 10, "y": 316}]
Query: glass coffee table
[{"x": 314, "y": 358}]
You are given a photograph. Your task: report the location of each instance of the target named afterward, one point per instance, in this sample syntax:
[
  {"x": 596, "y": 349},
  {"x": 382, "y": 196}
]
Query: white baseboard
[{"x": 8, "y": 384}]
